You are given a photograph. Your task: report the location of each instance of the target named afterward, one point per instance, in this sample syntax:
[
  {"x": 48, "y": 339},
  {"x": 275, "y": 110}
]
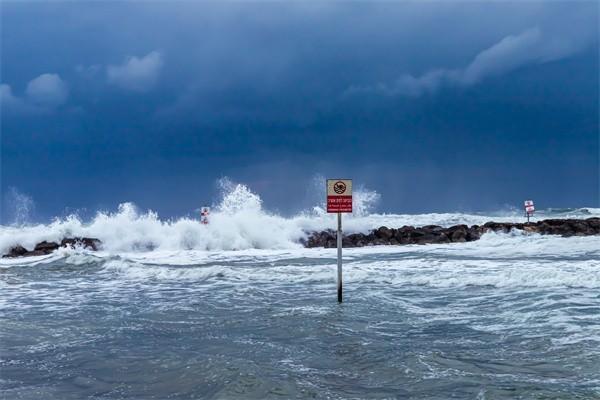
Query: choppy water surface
[{"x": 510, "y": 316}]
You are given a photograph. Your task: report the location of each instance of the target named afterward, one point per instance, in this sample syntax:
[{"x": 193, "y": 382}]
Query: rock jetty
[
  {"x": 454, "y": 234},
  {"x": 380, "y": 236},
  {"x": 45, "y": 247}
]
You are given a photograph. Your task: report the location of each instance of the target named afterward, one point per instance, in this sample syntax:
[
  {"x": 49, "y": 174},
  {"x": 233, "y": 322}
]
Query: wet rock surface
[
  {"x": 455, "y": 234},
  {"x": 45, "y": 247},
  {"x": 383, "y": 235}
]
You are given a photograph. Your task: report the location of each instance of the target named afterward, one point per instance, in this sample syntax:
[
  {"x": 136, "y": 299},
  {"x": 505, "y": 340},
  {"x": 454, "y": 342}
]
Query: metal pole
[{"x": 339, "y": 258}]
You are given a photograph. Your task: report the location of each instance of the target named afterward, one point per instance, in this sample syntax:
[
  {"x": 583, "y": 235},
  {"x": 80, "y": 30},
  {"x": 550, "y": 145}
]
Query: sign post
[
  {"x": 529, "y": 209},
  {"x": 204, "y": 212},
  {"x": 339, "y": 200}
]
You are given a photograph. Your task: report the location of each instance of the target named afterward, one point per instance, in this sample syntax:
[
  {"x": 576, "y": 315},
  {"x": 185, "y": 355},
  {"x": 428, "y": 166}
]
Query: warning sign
[
  {"x": 339, "y": 195},
  {"x": 529, "y": 207}
]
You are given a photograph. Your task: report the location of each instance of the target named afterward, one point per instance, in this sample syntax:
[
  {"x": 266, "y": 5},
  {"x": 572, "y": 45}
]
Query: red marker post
[
  {"x": 529, "y": 209},
  {"x": 339, "y": 200},
  {"x": 204, "y": 213}
]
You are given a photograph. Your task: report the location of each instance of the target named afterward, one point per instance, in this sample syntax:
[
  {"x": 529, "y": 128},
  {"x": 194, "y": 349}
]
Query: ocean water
[{"x": 239, "y": 309}]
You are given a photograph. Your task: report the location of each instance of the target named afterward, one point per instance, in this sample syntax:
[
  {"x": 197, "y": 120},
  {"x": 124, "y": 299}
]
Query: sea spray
[
  {"x": 364, "y": 201},
  {"x": 20, "y": 206},
  {"x": 238, "y": 222}
]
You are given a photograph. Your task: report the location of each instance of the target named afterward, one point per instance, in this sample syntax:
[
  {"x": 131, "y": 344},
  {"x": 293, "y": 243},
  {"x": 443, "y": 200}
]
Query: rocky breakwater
[
  {"x": 455, "y": 234},
  {"x": 45, "y": 247}
]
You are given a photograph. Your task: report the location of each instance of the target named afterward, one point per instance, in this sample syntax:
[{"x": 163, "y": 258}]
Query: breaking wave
[{"x": 238, "y": 222}]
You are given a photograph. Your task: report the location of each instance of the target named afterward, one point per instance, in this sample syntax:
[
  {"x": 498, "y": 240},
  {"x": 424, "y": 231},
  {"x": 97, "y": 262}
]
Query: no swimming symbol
[{"x": 339, "y": 187}]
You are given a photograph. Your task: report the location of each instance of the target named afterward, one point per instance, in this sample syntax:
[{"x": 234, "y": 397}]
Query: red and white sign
[
  {"x": 529, "y": 208},
  {"x": 204, "y": 213},
  {"x": 339, "y": 195}
]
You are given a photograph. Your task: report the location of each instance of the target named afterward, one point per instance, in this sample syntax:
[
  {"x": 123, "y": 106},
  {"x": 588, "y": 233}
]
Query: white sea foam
[
  {"x": 500, "y": 260},
  {"x": 238, "y": 222}
]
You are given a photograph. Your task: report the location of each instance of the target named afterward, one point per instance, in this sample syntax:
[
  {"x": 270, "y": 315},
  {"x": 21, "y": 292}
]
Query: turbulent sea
[{"x": 238, "y": 309}]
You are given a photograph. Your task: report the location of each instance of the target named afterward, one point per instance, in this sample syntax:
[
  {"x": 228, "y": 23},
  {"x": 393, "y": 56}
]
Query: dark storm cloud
[
  {"x": 314, "y": 52},
  {"x": 157, "y": 98},
  {"x": 512, "y": 52}
]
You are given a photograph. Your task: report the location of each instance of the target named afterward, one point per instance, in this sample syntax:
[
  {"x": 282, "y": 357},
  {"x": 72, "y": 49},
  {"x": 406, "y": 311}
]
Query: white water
[
  {"x": 511, "y": 315},
  {"x": 238, "y": 222}
]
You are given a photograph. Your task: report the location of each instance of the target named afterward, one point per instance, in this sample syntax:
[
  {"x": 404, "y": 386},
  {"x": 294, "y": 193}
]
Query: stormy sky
[{"x": 438, "y": 106}]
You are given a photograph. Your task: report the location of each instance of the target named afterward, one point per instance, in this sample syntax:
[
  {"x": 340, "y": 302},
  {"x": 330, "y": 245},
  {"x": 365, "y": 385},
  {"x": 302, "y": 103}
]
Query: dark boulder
[
  {"x": 36, "y": 253},
  {"x": 354, "y": 240},
  {"x": 380, "y": 242},
  {"x": 46, "y": 247},
  {"x": 474, "y": 233},
  {"x": 427, "y": 234},
  {"x": 594, "y": 224},
  {"x": 455, "y": 234},
  {"x": 432, "y": 228},
  {"x": 581, "y": 228},
  {"x": 330, "y": 243},
  {"x": 458, "y": 233},
  {"x": 496, "y": 227},
  {"x": 459, "y": 236},
  {"x": 417, "y": 233},
  {"x": 320, "y": 239},
  {"x": 384, "y": 233},
  {"x": 347, "y": 242},
  {"x": 551, "y": 227},
  {"x": 16, "y": 251}
]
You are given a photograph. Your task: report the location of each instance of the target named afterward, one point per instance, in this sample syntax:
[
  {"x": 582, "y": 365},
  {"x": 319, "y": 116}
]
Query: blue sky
[{"x": 439, "y": 106}]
